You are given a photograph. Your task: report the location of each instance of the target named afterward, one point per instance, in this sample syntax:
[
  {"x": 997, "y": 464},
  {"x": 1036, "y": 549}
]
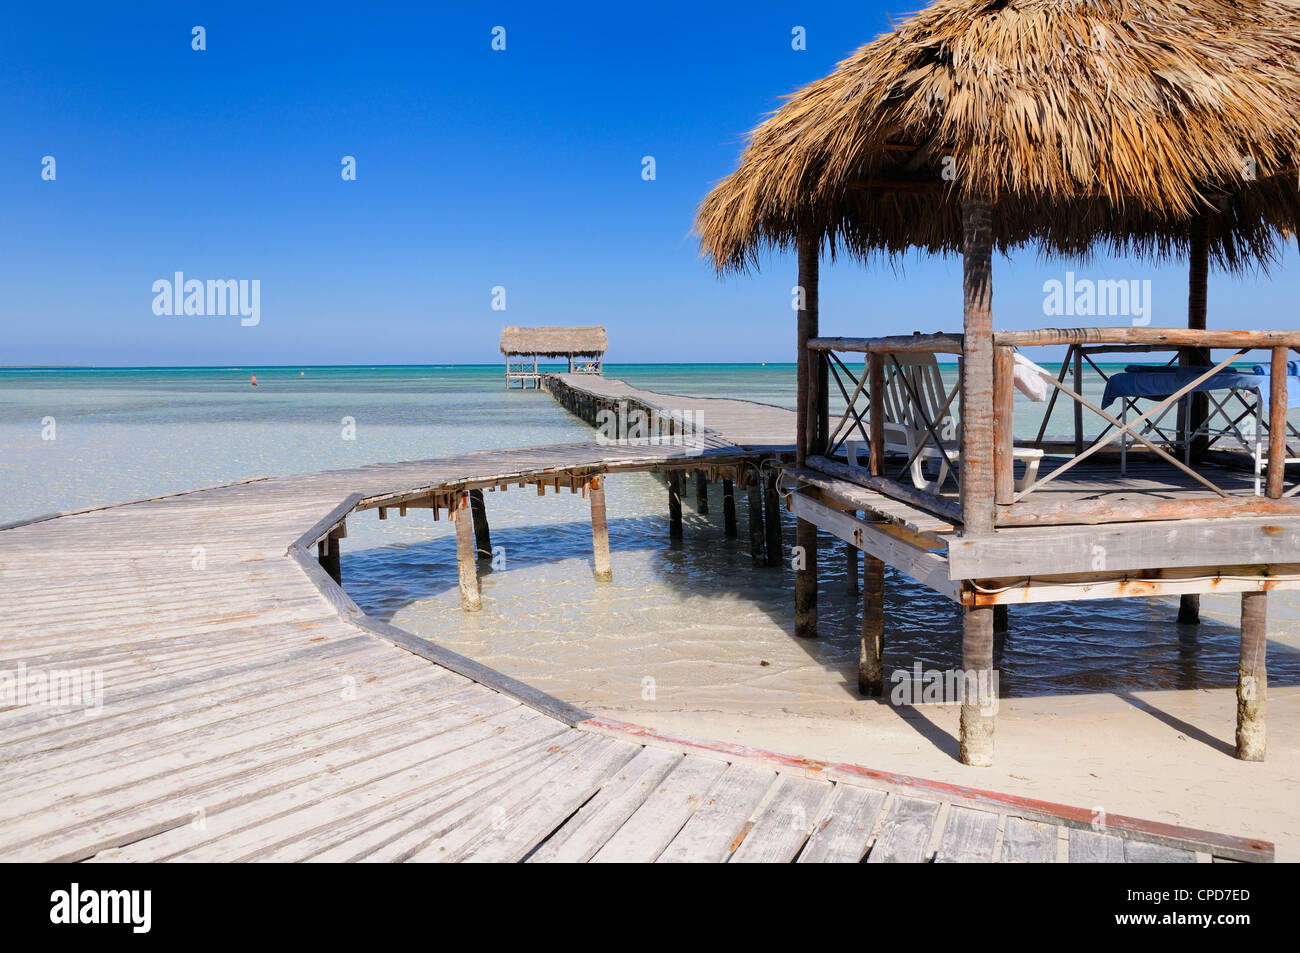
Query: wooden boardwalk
[{"x": 250, "y": 711}]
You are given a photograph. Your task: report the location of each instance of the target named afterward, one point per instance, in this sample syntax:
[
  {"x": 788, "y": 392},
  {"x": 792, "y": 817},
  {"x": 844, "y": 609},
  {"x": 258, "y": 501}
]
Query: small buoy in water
[{"x": 254, "y": 380}]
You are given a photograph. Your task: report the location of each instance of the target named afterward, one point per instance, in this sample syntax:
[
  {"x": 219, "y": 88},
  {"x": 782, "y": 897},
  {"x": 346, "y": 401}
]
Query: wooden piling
[
  {"x": 675, "y": 504},
  {"x": 1198, "y": 271},
  {"x": 327, "y": 554},
  {"x": 482, "y": 535},
  {"x": 851, "y": 571},
  {"x": 599, "y": 532},
  {"x": 1004, "y": 403},
  {"x": 805, "y": 582},
  {"x": 701, "y": 494},
  {"x": 1252, "y": 676},
  {"x": 871, "y": 680},
  {"x": 1189, "y": 608},
  {"x": 978, "y": 498},
  {"x": 977, "y": 668},
  {"x": 729, "y": 507},
  {"x": 1001, "y": 619},
  {"x": 467, "y": 565},
  {"x": 772, "y": 519},
  {"x": 1277, "y": 405},
  {"x": 756, "y": 534}
]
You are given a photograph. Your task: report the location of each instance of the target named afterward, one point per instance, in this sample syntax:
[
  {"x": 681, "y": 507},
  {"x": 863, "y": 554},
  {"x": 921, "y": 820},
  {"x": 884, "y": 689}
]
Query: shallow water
[{"x": 695, "y": 618}]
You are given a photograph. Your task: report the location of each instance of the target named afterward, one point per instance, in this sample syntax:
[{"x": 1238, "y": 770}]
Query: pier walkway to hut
[{"x": 251, "y": 711}]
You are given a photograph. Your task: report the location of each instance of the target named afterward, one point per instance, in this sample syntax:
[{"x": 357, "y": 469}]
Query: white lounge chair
[{"x": 914, "y": 393}]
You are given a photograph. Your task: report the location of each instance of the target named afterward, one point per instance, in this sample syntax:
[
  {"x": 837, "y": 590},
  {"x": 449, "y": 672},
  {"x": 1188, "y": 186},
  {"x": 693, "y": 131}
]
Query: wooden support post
[
  {"x": 327, "y": 554},
  {"x": 756, "y": 522},
  {"x": 470, "y": 600},
  {"x": 978, "y": 498},
  {"x": 1001, "y": 619},
  {"x": 876, "y": 410},
  {"x": 1189, "y": 608},
  {"x": 729, "y": 508},
  {"x": 851, "y": 571},
  {"x": 1078, "y": 407},
  {"x": 482, "y": 535},
  {"x": 807, "y": 400},
  {"x": 701, "y": 494},
  {"x": 772, "y": 519},
  {"x": 1277, "y": 424},
  {"x": 977, "y": 665},
  {"x": 675, "y": 504},
  {"x": 977, "y": 495},
  {"x": 599, "y": 531},
  {"x": 805, "y": 582},
  {"x": 1197, "y": 289},
  {"x": 1252, "y": 676},
  {"x": 1004, "y": 404},
  {"x": 871, "y": 676}
]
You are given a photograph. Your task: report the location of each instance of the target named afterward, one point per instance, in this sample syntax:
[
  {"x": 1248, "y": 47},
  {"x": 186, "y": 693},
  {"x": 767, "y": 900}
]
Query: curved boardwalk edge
[{"x": 228, "y": 738}]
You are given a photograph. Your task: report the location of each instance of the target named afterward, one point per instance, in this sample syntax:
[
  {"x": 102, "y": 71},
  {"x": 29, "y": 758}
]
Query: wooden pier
[{"x": 251, "y": 711}]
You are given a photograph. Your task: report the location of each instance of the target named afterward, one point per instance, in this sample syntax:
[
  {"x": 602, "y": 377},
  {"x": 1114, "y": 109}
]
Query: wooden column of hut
[{"x": 1157, "y": 130}]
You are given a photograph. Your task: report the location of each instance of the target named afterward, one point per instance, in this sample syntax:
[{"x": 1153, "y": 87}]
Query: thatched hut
[
  {"x": 583, "y": 347},
  {"x": 1159, "y": 128}
]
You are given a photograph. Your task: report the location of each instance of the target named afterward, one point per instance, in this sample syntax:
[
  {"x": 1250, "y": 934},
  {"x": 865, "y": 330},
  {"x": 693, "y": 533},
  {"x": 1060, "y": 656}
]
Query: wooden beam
[
  {"x": 946, "y": 509},
  {"x": 756, "y": 535},
  {"x": 1004, "y": 408},
  {"x": 599, "y": 531},
  {"x": 977, "y": 494},
  {"x": 871, "y": 679},
  {"x": 772, "y": 519},
  {"x": 1277, "y": 402},
  {"x": 729, "y": 508},
  {"x": 1149, "y": 583},
  {"x": 917, "y": 343},
  {"x": 876, "y": 539},
  {"x": 1171, "y": 338},
  {"x": 977, "y": 723},
  {"x": 466, "y": 564},
  {"x": 1044, "y": 511},
  {"x": 1252, "y": 677},
  {"x": 675, "y": 504},
  {"x": 701, "y": 494},
  {"x": 482, "y": 534},
  {"x": 1122, "y": 547}
]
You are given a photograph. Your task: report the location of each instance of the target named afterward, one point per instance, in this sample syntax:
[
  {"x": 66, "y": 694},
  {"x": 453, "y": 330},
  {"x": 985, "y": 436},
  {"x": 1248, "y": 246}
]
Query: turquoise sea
[{"x": 694, "y": 615}]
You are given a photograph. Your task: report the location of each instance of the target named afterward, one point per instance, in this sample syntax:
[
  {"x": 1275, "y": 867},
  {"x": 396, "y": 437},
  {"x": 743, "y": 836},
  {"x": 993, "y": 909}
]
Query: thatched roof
[
  {"x": 554, "y": 341},
  {"x": 1109, "y": 122}
]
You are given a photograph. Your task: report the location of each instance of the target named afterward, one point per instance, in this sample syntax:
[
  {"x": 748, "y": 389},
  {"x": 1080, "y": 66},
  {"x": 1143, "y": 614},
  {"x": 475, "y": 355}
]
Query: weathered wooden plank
[
  {"x": 968, "y": 837},
  {"x": 1028, "y": 842},
  {"x": 1094, "y": 847},
  {"x": 844, "y": 832},
  {"x": 588, "y": 830},
  {"x": 905, "y": 831},
  {"x": 650, "y": 829},
  {"x": 784, "y": 823},
  {"x": 1143, "y": 852},
  {"x": 714, "y": 829}
]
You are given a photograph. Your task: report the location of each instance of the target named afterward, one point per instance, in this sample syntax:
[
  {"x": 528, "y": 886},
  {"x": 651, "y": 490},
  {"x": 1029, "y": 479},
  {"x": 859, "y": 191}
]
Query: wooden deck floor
[{"x": 251, "y": 712}]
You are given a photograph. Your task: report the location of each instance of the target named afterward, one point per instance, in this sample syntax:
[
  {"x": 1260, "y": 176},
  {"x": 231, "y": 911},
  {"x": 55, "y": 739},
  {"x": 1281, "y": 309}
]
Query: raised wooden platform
[{"x": 252, "y": 712}]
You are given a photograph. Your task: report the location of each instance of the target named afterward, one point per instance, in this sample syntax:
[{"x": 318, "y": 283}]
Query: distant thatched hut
[{"x": 584, "y": 348}]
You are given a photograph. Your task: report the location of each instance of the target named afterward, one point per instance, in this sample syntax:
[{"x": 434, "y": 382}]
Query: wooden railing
[{"x": 863, "y": 419}]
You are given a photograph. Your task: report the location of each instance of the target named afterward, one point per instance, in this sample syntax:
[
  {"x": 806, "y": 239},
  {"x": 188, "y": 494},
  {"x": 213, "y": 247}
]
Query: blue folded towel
[{"x": 1292, "y": 369}]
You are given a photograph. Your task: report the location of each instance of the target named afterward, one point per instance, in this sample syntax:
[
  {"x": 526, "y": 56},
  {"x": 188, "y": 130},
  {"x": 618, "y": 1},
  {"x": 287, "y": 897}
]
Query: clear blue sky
[{"x": 475, "y": 168}]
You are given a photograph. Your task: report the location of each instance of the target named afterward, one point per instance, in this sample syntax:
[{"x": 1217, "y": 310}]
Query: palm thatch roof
[
  {"x": 554, "y": 341},
  {"x": 1090, "y": 122}
]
